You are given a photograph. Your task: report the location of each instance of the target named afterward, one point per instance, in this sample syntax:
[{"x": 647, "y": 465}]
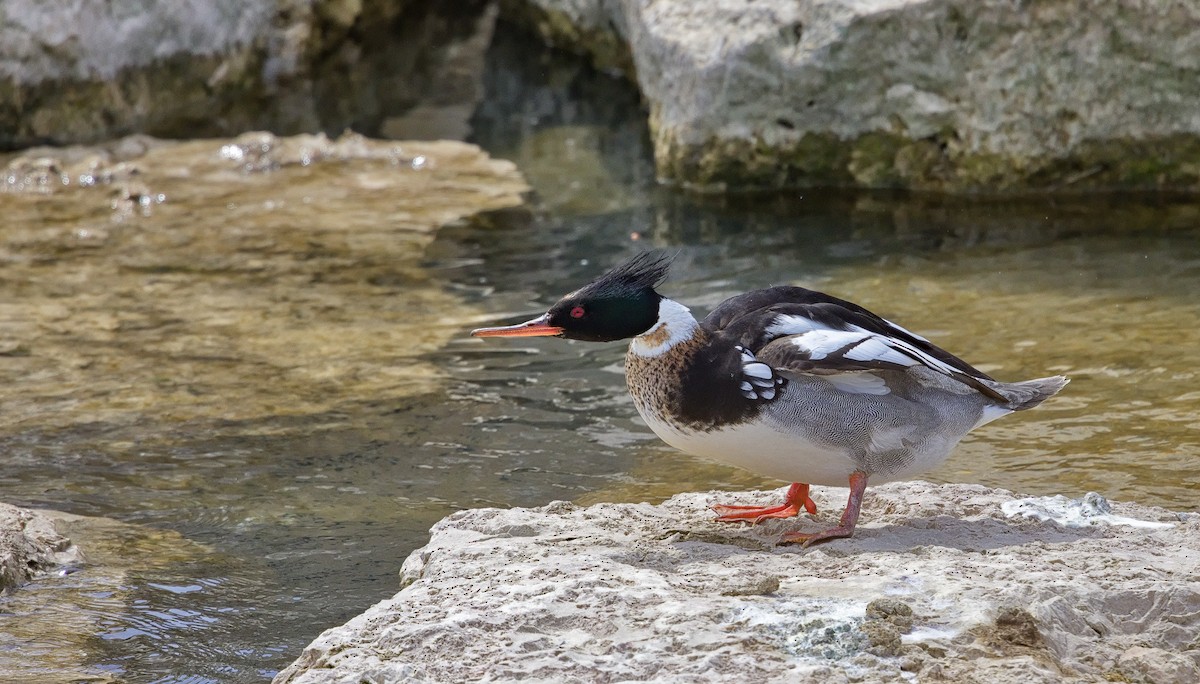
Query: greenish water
[{"x": 275, "y": 523}]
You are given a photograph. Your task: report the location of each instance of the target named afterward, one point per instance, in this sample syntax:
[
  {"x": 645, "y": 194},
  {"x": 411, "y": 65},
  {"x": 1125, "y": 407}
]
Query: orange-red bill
[{"x": 535, "y": 328}]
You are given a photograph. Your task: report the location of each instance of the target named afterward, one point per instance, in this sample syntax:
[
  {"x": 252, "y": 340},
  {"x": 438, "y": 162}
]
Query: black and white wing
[
  {"x": 801, "y": 331},
  {"x": 759, "y": 380}
]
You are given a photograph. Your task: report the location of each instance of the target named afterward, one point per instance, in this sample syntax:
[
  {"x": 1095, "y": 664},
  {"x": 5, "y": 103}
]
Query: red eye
[{"x": 577, "y": 312}]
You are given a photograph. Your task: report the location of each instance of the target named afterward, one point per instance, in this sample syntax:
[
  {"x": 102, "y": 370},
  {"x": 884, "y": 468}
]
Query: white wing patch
[
  {"x": 875, "y": 348},
  {"x": 832, "y": 346},
  {"x": 821, "y": 342},
  {"x": 857, "y": 344},
  {"x": 787, "y": 324},
  {"x": 836, "y": 353},
  {"x": 858, "y": 383},
  {"x": 909, "y": 351},
  {"x": 758, "y": 379}
]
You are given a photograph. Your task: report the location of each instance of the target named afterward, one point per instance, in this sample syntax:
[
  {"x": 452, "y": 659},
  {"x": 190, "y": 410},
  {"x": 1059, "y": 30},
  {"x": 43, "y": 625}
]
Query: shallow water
[
  {"x": 290, "y": 518},
  {"x": 1110, "y": 305}
]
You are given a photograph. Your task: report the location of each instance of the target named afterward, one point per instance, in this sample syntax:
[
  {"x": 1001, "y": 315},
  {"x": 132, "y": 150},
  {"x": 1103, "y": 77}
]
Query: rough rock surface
[
  {"x": 957, "y": 582},
  {"x": 29, "y": 544},
  {"x": 92, "y": 70},
  {"x": 940, "y": 94}
]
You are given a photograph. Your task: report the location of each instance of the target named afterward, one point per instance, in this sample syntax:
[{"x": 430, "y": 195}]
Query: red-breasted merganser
[{"x": 785, "y": 382}]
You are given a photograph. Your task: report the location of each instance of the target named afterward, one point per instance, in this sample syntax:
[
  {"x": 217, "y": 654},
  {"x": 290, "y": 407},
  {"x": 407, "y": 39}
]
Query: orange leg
[
  {"x": 858, "y": 485},
  {"x": 797, "y": 497}
]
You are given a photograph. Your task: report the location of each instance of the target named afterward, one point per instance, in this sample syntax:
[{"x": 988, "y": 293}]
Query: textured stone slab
[{"x": 960, "y": 582}]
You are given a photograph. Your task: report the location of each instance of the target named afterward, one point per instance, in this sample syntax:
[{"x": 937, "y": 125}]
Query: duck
[{"x": 786, "y": 382}]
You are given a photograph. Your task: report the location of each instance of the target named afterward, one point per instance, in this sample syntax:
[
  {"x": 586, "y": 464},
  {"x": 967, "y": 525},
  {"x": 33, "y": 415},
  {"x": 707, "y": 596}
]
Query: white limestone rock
[
  {"x": 939, "y": 94},
  {"x": 939, "y": 581}
]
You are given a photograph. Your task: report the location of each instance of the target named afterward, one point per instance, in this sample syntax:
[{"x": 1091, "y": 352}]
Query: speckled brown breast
[{"x": 655, "y": 381}]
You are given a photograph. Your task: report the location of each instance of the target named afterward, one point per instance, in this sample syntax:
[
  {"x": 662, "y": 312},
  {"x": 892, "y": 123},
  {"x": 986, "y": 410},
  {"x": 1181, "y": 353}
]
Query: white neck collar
[{"x": 675, "y": 324}]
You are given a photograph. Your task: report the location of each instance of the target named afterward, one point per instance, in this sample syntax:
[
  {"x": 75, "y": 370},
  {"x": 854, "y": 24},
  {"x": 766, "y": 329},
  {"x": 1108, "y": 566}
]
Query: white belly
[
  {"x": 775, "y": 451},
  {"x": 764, "y": 451}
]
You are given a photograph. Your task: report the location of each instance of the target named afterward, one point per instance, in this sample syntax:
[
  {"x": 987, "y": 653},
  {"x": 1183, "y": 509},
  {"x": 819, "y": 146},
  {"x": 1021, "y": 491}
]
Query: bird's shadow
[
  {"x": 972, "y": 534},
  {"x": 947, "y": 531}
]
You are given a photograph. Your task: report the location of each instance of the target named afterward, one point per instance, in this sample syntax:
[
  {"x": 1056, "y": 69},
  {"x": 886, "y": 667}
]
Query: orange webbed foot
[{"x": 797, "y": 498}]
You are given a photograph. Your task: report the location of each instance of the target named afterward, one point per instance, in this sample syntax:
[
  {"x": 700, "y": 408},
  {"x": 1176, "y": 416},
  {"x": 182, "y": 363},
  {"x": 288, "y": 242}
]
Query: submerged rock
[
  {"x": 155, "y": 282},
  {"x": 931, "y": 94},
  {"x": 940, "y": 581},
  {"x": 29, "y": 545},
  {"x": 55, "y": 629}
]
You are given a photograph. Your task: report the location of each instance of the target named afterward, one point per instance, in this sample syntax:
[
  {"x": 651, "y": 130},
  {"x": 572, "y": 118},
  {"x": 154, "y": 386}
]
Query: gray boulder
[
  {"x": 96, "y": 69},
  {"x": 956, "y": 582},
  {"x": 929, "y": 94}
]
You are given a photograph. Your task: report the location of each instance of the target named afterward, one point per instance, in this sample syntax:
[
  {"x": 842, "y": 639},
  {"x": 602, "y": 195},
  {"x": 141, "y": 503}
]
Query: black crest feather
[{"x": 642, "y": 272}]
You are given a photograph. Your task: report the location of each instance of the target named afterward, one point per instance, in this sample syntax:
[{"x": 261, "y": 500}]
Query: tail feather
[{"x": 1026, "y": 395}]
